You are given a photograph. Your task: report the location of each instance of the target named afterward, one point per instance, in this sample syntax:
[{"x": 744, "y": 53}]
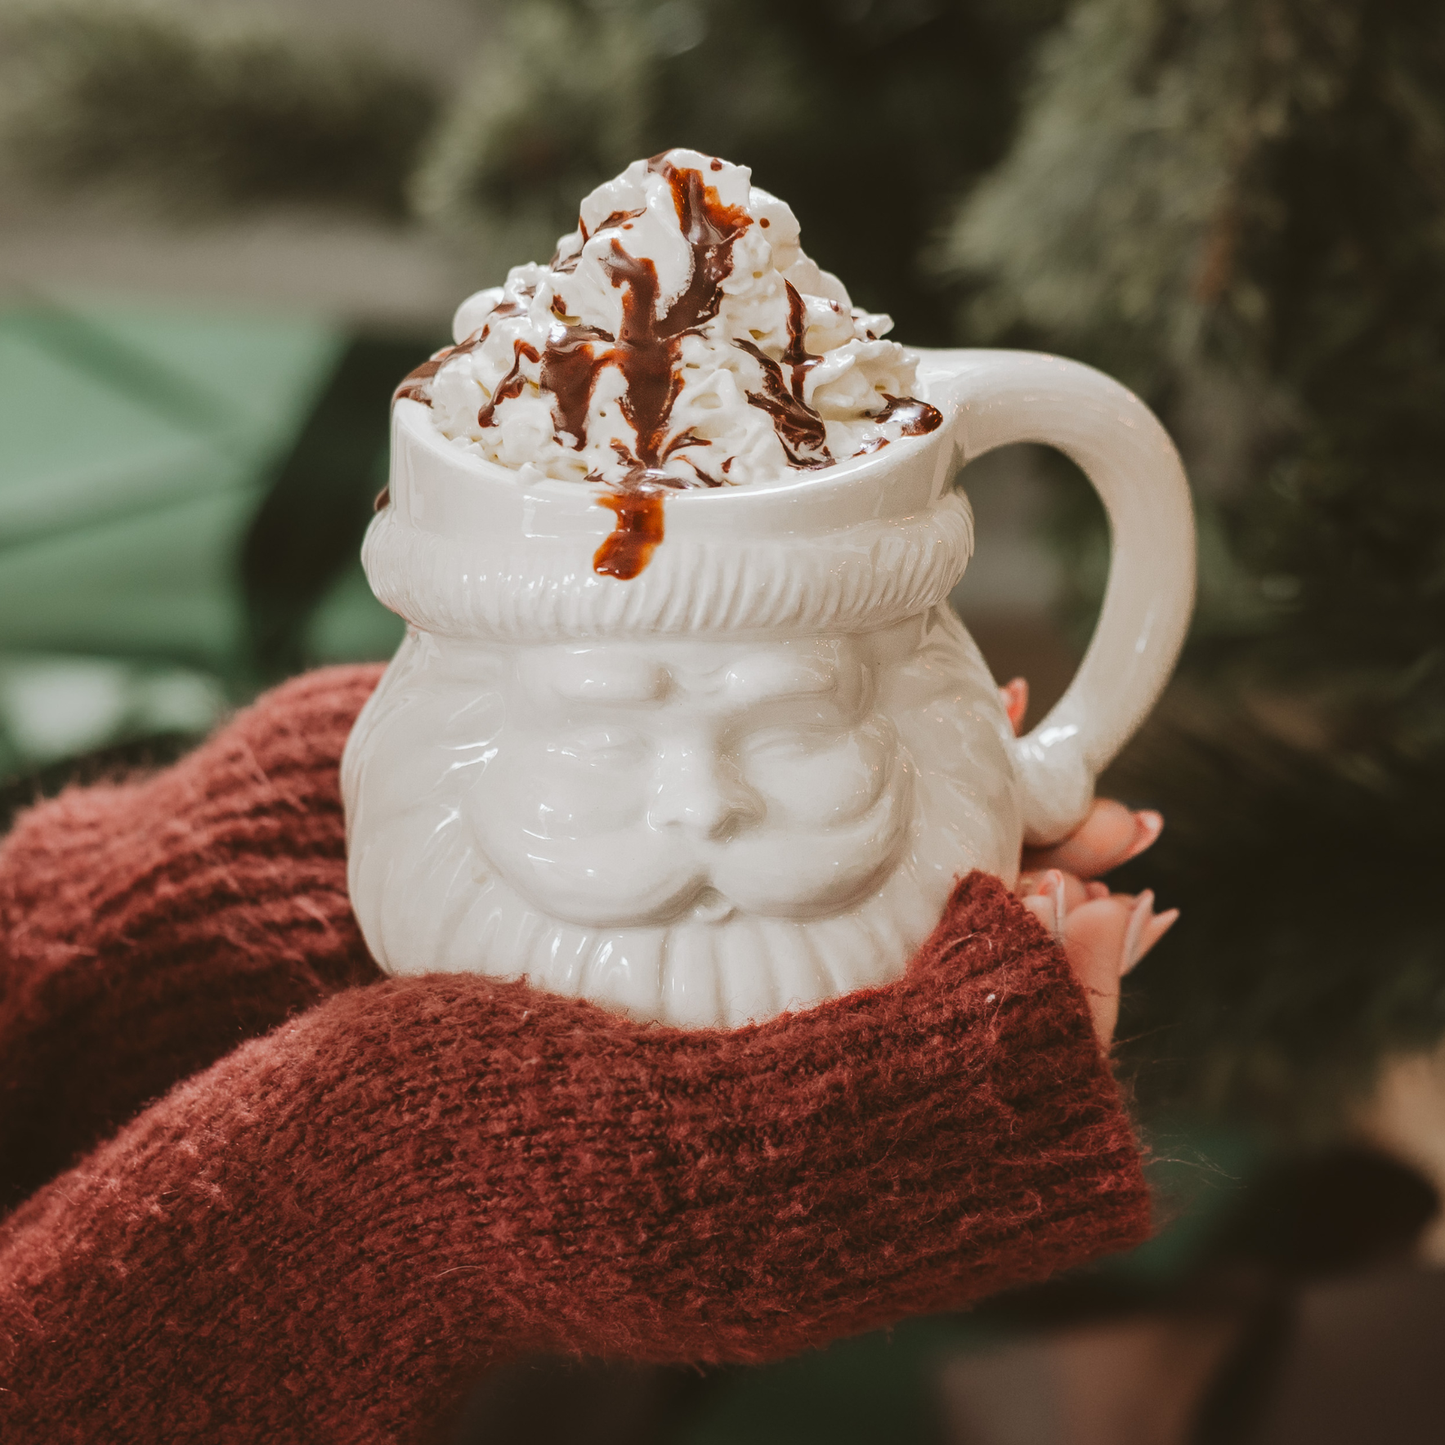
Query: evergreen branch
[
  {"x": 559, "y": 105},
  {"x": 1111, "y": 222}
]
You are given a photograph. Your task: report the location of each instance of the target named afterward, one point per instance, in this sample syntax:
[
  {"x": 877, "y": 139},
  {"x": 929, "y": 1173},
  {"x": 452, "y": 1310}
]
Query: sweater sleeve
[
  {"x": 327, "y": 1234},
  {"x": 148, "y": 927}
]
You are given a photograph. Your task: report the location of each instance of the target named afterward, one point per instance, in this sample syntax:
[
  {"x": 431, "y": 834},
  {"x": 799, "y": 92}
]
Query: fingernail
[
  {"x": 1015, "y": 695},
  {"x": 1157, "y": 927},
  {"x": 1054, "y": 885},
  {"x": 1134, "y": 934},
  {"x": 1148, "y": 825}
]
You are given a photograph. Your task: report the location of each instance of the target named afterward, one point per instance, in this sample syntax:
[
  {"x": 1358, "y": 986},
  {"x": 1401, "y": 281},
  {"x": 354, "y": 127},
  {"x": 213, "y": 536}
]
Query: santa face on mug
[
  {"x": 640, "y": 785},
  {"x": 687, "y": 828}
]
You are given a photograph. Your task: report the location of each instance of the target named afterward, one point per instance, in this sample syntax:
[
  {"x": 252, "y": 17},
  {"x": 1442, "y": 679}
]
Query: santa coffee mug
[{"x": 745, "y": 778}]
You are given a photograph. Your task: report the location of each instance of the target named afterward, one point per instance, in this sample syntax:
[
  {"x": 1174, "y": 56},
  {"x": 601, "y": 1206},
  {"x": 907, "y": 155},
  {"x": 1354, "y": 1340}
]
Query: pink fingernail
[
  {"x": 1148, "y": 825},
  {"x": 1015, "y": 694},
  {"x": 1158, "y": 926},
  {"x": 1054, "y": 882},
  {"x": 1134, "y": 935}
]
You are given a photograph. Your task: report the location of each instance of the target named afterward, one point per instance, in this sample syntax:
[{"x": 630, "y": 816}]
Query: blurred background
[{"x": 227, "y": 229}]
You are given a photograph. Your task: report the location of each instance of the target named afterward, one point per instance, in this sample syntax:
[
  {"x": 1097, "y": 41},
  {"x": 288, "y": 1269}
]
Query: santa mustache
[{"x": 642, "y": 876}]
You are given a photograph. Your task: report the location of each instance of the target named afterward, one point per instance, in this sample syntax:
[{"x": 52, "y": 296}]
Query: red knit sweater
[{"x": 326, "y": 1232}]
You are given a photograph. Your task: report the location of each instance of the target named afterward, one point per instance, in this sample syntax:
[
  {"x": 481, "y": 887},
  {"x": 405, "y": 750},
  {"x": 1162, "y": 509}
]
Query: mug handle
[{"x": 999, "y": 397}]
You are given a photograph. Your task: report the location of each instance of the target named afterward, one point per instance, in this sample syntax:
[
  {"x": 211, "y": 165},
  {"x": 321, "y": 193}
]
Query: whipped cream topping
[{"x": 678, "y": 338}]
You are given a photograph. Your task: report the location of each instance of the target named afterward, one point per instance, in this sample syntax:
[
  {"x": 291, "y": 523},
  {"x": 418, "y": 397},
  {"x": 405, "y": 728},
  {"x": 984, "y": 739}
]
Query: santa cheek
[
  {"x": 593, "y": 802},
  {"x": 819, "y": 785},
  {"x": 560, "y": 796}
]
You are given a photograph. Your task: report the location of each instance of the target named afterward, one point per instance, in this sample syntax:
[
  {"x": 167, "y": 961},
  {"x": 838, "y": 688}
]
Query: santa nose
[{"x": 697, "y": 790}]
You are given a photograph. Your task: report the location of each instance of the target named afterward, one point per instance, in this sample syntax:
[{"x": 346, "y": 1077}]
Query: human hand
[{"x": 1103, "y": 934}]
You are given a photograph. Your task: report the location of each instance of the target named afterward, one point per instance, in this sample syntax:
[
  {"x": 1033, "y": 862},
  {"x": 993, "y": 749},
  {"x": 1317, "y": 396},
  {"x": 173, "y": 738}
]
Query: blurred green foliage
[
  {"x": 869, "y": 116},
  {"x": 207, "y": 113},
  {"x": 144, "y": 451}
]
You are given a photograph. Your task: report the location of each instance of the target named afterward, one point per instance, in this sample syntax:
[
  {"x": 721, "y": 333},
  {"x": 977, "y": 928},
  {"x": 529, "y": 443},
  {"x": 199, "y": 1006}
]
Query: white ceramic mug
[{"x": 745, "y": 779}]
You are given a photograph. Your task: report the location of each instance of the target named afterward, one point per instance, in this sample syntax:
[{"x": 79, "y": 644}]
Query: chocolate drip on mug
[{"x": 629, "y": 546}]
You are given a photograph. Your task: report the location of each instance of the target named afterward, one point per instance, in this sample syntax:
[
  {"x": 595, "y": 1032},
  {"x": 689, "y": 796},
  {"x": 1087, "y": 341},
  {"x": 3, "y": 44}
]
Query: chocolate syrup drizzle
[
  {"x": 512, "y": 384},
  {"x": 800, "y": 429},
  {"x": 646, "y": 351},
  {"x": 629, "y": 546},
  {"x": 917, "y": 417},
  {"x": 413, "y": 386}
]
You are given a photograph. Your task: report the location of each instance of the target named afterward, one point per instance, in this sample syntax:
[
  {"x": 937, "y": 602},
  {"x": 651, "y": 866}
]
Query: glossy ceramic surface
[{"x": 744, "y": 780}]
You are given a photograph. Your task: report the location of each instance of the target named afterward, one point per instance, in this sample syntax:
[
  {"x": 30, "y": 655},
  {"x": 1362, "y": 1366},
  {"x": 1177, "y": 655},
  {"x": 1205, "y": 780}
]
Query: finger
[
  {"x": 1104, "y": 1011},
  {"x": 1097, "y": 933},
  {"x": 1069, "y": 890},
  {"x": 1109, "y": 836},
  {"x": 1015, "y": 694},
  {"x": 1106, "y": 834},
  {"x": 1094, "y": 935},
  {"x": 1042, "y": 908}
]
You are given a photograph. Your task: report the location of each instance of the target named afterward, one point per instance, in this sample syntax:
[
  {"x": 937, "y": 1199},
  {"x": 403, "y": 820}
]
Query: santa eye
[
  {"x": 605, "y": 747},
  {"x": 780, "y": 746}
]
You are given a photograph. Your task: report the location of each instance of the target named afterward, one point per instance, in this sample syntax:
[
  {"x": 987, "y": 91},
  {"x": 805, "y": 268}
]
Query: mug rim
[
  {"x": 896, "y": 480},
  {"x": 413, "y": 415}
]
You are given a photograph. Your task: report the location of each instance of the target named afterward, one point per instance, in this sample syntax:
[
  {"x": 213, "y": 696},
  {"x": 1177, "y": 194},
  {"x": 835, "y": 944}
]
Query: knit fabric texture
[{"x": 302, "y": 1202}]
